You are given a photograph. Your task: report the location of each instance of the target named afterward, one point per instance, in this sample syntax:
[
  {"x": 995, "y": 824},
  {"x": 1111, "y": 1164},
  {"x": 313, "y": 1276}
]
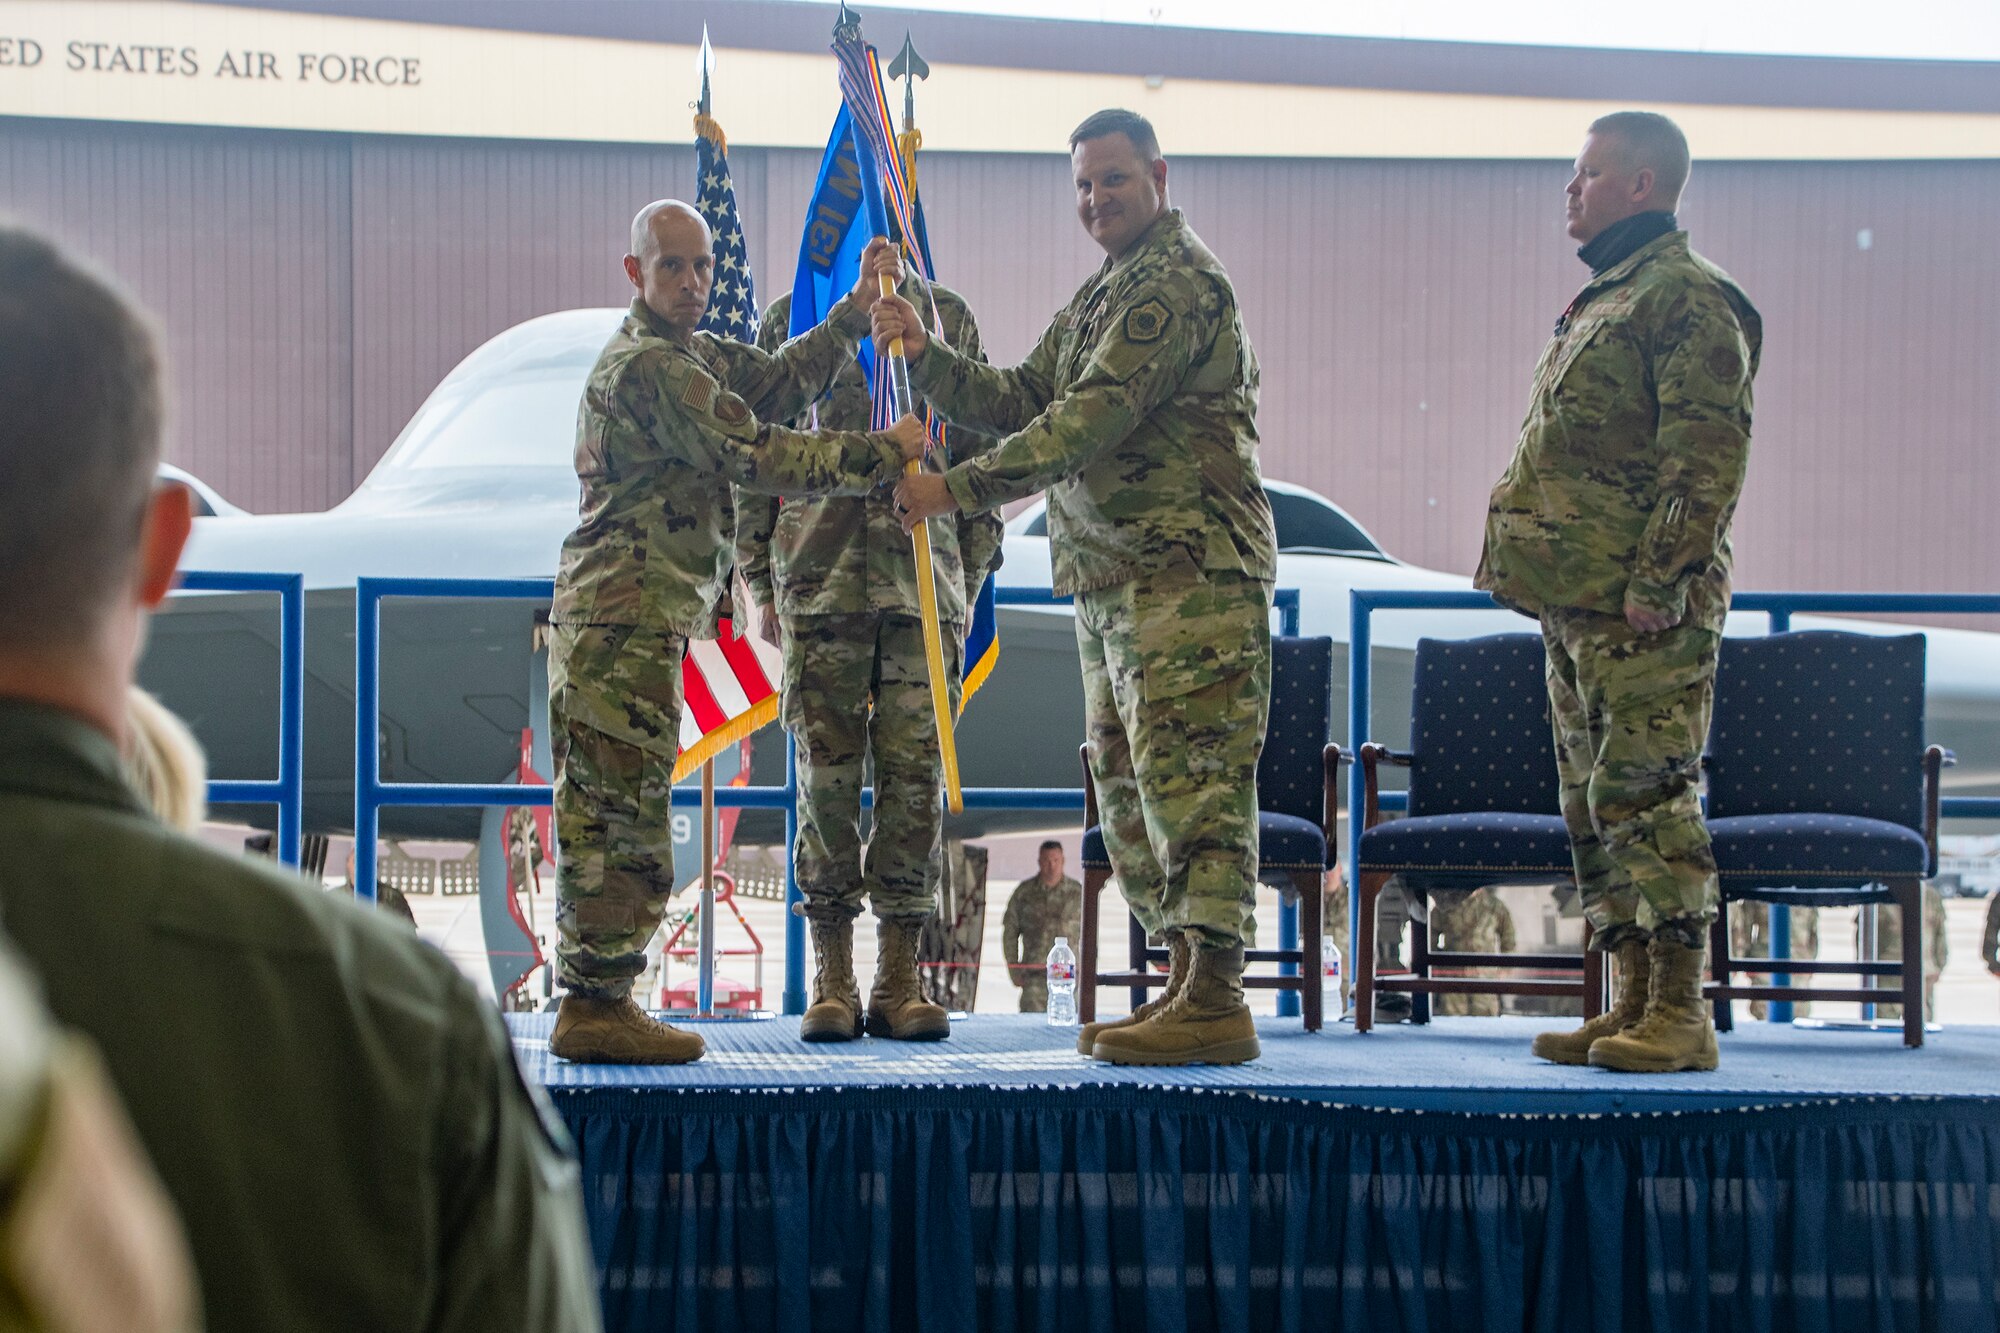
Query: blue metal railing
[
  {"x": 371, "y": 793},
  {"x": 287, "y": 791},
  {"x": 1780, "y": 607}
]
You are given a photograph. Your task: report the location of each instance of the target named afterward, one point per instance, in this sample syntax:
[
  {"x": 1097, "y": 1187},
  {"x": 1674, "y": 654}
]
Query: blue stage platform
[{"x": 1412, "y": 1179}]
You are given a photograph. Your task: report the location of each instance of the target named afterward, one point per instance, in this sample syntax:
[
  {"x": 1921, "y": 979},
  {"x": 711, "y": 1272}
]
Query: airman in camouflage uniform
[
  {"x": 1936, "y": 948},
  {"x": 1612, "y": 525},
  {"x": 842, "y": 577},
  {"x": 1043, "y": 908},
  {"x": 1474, "y": 922},
  {"x": 670, "y": 419},
  {"x": 1750, "y": 937},
  {"x": 1136, "y": 411}
]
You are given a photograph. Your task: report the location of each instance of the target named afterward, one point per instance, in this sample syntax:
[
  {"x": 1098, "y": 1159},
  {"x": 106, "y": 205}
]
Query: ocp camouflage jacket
[
  {"x": 1136, "y": 412},
  {"x": 663, "y": 430},
  {"x": 1633, "y": 453}
]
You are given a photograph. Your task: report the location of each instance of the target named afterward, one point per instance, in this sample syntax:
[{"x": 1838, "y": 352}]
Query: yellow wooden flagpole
[{"x": 920, "y": 539}]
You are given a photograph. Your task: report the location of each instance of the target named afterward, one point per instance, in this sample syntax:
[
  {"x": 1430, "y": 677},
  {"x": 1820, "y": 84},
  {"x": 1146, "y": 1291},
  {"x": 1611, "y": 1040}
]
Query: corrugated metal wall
[
  {"x": 239, "y": 244},
  {"x": 315, "y": 287}
]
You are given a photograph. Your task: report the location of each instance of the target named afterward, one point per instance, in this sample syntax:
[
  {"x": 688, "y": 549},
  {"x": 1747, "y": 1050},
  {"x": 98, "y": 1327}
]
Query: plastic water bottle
[
  {"x": 1331, "y": 995},
  {"x": 1062, "y": 985}
]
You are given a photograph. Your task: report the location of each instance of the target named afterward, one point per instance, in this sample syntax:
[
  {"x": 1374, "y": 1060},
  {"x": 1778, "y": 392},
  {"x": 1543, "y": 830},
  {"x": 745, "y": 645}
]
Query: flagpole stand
[
  {"x": 705, "y": 989},
  {"x": 920, "y": 540}
]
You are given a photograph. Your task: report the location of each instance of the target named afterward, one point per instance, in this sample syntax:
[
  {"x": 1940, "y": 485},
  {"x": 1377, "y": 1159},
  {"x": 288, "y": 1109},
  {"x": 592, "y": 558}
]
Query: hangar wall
[{"x": 314, "y": 287}]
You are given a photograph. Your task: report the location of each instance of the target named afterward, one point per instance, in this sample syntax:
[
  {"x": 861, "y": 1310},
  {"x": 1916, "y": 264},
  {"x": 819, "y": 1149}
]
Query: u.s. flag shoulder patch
[{"x": 700, "y": 391}]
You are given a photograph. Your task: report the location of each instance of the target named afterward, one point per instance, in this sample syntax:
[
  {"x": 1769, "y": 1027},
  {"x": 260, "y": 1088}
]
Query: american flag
[
  {"x": 728, "y": 685},
  {"x": 729, "y": 688},
  {"x": 732, "y": 302}
]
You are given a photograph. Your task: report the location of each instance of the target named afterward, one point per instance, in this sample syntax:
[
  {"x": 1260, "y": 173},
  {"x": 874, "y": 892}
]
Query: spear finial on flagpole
[
  {"x": 909, "y": 67},
  {"x": 847, "y": 24},
  {"x": 705, "y": 62}
]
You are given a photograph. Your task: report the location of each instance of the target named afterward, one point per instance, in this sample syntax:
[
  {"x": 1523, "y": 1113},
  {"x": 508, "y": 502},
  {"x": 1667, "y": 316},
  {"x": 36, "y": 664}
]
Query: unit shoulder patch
[
  {"x": 1147, "y": 321},
  {"x": 731, "y": 410}
]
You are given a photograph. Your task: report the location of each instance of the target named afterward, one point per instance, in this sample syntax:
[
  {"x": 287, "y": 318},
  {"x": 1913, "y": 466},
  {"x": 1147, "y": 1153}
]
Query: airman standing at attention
[
  {"x": 670, "y": 418},
  {"x": 1137, "y": 413},
  {"x": 1750, "y": 937},
  {"x": 1611, "y": 525},
  {"x": 1042, "y": 909},
  {"x": 1471, "y": 922},
  {"x": 840, "y": 575},
  {"x": 1936, "y": 947}
]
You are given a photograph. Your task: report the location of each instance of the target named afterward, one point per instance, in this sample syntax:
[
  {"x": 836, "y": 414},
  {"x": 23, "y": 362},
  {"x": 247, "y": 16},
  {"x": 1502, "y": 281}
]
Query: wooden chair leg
[
  {"x": 1721, "y": 967},
  {"x": 1420, "y": 948},
  {"x": 1910, "y": 895},
  {"x": 1370, "y": 888},
  {"x": 1593, "y": 977},
  {"x": 1086, "y": 990},
  {"x": 1312, "y": 929},
  {"x": 1135, "y": 936}
]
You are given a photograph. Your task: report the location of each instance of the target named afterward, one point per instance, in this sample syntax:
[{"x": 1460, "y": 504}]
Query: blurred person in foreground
[
  {"x": 88, "y": 1241},
  {"x": 337, "y": 1115}
]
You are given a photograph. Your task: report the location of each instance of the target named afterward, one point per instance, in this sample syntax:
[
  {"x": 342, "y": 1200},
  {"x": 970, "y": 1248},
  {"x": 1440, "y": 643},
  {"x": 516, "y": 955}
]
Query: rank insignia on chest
[
  {"x": 1145, "y": 323},
  {"x": 699, "y": 393}
]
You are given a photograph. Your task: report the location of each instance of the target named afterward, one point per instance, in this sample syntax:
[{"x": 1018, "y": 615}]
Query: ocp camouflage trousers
[
  {"x": 614, "y": 714},
  {"x": 1176, "y": 684},
  {"x": 1630, "y": 713},
  {"x": 856, "y": 687}
]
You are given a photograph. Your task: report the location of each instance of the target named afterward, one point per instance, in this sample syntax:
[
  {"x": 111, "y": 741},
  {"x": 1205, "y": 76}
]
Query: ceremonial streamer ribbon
[{"x": 861, "y": 86}]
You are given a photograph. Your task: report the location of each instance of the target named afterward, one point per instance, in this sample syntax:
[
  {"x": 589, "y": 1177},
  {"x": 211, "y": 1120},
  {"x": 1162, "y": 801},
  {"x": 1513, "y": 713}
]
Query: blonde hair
[{"x": 164, "y": 763}]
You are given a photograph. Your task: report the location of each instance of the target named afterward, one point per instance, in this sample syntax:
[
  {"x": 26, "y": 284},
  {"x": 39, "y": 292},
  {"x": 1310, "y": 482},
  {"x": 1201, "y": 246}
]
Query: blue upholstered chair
[
  {"x": 1297, "y": 797},
  {"x": 1484, "y": 808},
  {"x": 1821, "y": 793}
]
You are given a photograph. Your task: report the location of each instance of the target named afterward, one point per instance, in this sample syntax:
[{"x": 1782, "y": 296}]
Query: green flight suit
[
  {"x": 1136, "y": 411},
  {"x": 664, "y": 430},
  {"x": 842, "y": 576},
  {"x": 1621, "y": 492},
  {"x": 335, "y": 1112}
]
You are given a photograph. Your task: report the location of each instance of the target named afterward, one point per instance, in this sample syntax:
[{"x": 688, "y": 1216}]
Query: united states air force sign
[{"x": 79, "y": 55}]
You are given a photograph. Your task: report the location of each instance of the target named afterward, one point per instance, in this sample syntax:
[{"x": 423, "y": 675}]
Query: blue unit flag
[{"x": 845, "y": 211}]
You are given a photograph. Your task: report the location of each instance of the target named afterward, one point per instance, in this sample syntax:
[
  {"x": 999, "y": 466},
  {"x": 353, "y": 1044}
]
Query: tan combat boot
[
  {"x": 1178, "y": 950},
  {"x": 836, "y": 1008},
  {"x": 1676, "y": 1032},
  {"x": 1206, "y": 1023},
  {"x": 1634, "y": 984},
  {"x": 599, "y": 1030},
  {"x": 896, "y": 1004}
]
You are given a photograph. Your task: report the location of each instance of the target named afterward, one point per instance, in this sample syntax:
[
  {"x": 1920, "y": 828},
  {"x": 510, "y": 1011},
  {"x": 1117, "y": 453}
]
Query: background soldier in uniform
[
  {"x": 1042, "y": 907},
  {"x": 1475, "y": 922},
  {"x": 1750, "y": 937},
  {"x": 1937, "y": 947},
  {"x": 669, "y": 419},
  {"x": 1989, "y": 939},
  {"x": 1612, "y": 525},
  {"x": 842, "y": 578},
  {"x": 1136, "y": 411}
]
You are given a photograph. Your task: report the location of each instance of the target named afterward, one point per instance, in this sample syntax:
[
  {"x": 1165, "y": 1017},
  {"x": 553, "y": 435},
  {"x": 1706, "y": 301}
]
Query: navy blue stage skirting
[{"x": 1412, "y": 1179}]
